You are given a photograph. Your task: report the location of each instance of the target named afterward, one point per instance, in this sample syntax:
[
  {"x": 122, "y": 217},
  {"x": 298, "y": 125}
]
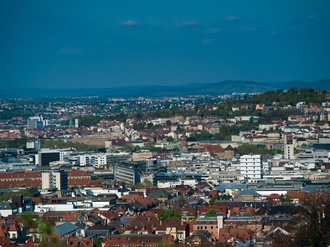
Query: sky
[{"x": 114, "y": 43}]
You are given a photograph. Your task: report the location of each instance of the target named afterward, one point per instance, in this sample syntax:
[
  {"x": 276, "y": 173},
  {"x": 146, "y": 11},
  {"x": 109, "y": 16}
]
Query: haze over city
[{"x": 104, "y": 44}]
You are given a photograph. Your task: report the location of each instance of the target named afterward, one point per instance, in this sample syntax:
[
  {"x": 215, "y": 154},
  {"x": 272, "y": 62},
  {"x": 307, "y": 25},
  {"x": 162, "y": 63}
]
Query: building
[
  {"x": 142, "y": 155},
  {"x": 288, "y": 146},
  {"x": 150, "y": 240},
  {"x": 76, "y": 123},
  {"x": 129, "y": 172},
  {"x": 33, "y": 145},
  {"x": 55, "y": 180},
  {"x": 251, "y": 167},
  {"x": 210, "y": 224},
  {"x": 36, "y": 122},
  {"x": 94, "y": 159},
  {"x": 44, "y": 157}
]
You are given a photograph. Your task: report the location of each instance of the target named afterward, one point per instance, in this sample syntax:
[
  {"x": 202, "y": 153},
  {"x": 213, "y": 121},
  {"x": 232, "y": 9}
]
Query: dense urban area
[{"x": 229, "y": 170}]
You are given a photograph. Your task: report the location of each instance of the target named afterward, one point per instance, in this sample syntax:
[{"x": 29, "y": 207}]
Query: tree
[
  {"x": 150, "y": 125},
  {"x": 253, "y": 149},
  {"x": 168, "y": 123},
  {"x": 27, "y": 218},
  {"x": 169, "y": 139},
  {"x": 48, "y": 237},
  {"x": 166, "y": 214},
  {"x": 181, "y": 201},
  {"x": 225, "y": 197},
  {"x": 284, "y": 198},
  {"x": 203, "y": 134},
  {"x": 145, "y": 184},
  {"x": 313, "y": 228},
  {"x": 97, "y": 242},
  {"x": 212, "y": 201},
  {"x": 211, "y": 213}
]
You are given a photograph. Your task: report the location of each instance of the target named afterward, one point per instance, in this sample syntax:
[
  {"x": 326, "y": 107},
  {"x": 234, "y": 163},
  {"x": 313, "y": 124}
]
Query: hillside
[{"x": 211, "y": 89}]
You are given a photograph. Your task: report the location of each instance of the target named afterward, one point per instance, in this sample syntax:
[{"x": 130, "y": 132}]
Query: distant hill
[
  {"x": 321, "y": 84},
  {"x": 212, "y": 89},
  {"x": 229, "y": 87}
]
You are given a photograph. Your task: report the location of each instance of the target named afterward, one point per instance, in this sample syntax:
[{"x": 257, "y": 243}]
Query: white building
[
  {"x": 94, "y": 159},
  {"x": 33, "y": 145},
  {"x": 36, "y": 122},
  {"x": 251, "y": 167},
  {"x": 54, "y": 180}
]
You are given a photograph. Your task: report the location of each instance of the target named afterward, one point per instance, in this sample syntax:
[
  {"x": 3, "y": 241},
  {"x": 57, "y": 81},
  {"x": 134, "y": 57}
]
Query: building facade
[
  {"x": 251, "y": 167},
  {"x": 55, "y": 180},
  {"x": 129, "y": 172}
]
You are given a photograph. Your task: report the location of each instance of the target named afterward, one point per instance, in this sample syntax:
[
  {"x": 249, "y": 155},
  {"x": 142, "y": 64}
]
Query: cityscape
[
  {"x": 214, "y": 171},
  {"x": 164, "y": 123}
]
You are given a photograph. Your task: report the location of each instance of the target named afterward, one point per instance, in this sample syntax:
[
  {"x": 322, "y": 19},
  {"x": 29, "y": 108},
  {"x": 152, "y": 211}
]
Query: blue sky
[{"x": 81, "y": 44}]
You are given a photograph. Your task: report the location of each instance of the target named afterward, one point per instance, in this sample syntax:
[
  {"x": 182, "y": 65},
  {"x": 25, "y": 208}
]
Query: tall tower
[
  {"x": 76, "y": 123},
  {"x": 183, "y": 143},
  {"x": 288, "y": 146}
]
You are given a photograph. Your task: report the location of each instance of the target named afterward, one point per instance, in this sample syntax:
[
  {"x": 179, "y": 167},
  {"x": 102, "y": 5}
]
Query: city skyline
[{"x": 105, "y": 44}]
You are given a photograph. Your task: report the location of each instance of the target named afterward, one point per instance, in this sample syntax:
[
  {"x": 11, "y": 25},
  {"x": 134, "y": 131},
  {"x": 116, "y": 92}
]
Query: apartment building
[{"x": 251, "y": 167}]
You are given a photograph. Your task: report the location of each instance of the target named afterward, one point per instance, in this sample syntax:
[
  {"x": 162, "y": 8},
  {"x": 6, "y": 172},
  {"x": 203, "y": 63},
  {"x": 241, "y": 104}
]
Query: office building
[
  {"x": 55, "y": 180},
  {"x": 36, "y": 122},
  {"x": 45, "y": 156},
  {"x": 251, "y": 167},
  {"x": 129, "y": 172}
]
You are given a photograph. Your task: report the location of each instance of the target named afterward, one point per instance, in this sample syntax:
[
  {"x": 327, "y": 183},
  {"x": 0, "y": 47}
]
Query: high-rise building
[
  {"x": 129, "y": 172},
  {"x": 288, "y": 146},
  {"x": 251, "y": 167},
  {"x": 43, "y": 157},
  {"x": 55, "y": 180},
  {"x": 36, "y": 122},
  {"x": 76, "y": 123}
]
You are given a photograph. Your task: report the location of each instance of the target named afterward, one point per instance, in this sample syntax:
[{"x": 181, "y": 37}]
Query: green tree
[
  {"x": 27, "y": 218},
  {"x": 253, "y": 149},
  {"x": 169, "y": 139},
  {"x": 97, "y": 242},
  {"x": 48, "y": 237},
  {"x": 181, "y": 201},
  {"x": 166, "y": 214},
  {"x": 212, "y": 201},
  {"x": 211, "y": 213},
  {"x": 284, "y": 198},
  {"x": 203, "y": 134},
  {"x": 168, "y": 123}
]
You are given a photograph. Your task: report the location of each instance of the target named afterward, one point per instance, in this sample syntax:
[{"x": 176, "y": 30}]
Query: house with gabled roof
[
  {"x": 66, "y": 229},
  {"x": 174, "y": 226}
]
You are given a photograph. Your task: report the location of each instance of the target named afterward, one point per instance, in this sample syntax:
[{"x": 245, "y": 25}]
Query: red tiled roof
[
  {"x": 27, "y": 183},
  {"x": 77, "y": 173},
  {"x": 12, "y": 175}
]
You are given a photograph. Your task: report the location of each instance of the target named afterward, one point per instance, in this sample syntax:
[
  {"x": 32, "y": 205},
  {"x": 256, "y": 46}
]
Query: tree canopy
[{"x": 166, "y": 214}]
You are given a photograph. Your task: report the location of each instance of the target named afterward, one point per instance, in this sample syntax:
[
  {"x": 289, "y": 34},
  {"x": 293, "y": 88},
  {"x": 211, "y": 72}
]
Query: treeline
[
  {"x": 17, "y": 143},
  {"x": 290, "y": 97},
  {"x": 94, "y": 120},
  {"x": 21, "y": 143},
  {"x": 63, "y": 144}
]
